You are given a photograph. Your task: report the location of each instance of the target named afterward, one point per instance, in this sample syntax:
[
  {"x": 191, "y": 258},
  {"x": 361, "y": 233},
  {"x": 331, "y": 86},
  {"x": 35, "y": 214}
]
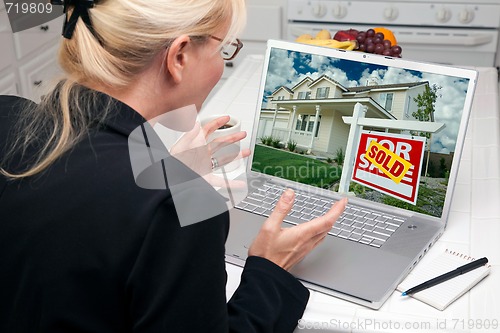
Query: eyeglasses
[{"x": 229, "y": 50}]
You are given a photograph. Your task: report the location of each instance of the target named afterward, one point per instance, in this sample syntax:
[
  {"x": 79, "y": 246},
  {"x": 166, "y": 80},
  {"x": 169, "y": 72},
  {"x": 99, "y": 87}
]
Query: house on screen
[{"x": 310, "y": 113}]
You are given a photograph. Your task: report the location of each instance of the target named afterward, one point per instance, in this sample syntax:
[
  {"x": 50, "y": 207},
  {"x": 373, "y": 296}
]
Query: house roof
[
  {"x": 326, "y": 77},
  {"x": 288, "y": 90},
  {"x": 386, "y": 86},
  {"x": 350, "y": 89},
  {"x": 307, "y": 78}
]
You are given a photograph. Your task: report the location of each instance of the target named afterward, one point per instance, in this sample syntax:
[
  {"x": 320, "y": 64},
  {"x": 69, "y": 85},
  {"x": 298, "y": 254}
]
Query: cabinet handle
[
  {"x": 230, "y": 64},
  {"x": 44, "y": 27},
  {"x": 37, "y": 82}
]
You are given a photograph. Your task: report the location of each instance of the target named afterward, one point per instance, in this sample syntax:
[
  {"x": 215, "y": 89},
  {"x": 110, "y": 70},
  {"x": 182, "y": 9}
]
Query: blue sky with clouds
[{"x": 287, "y": 68}]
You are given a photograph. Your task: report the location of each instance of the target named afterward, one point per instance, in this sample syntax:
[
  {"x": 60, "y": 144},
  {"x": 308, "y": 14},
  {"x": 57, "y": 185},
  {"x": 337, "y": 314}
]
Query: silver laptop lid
[{"x": 403, "y": 156}]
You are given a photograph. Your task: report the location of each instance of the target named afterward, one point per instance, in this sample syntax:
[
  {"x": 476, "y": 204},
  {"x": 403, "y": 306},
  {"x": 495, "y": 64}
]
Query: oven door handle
[{"x": 444, "y": 39}]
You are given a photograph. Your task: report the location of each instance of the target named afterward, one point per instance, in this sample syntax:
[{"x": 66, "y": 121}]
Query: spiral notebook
[{"x": 443, "y": 294}]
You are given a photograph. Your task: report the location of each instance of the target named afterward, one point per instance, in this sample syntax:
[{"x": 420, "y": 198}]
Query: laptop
[{"x": 386, "y": 132}]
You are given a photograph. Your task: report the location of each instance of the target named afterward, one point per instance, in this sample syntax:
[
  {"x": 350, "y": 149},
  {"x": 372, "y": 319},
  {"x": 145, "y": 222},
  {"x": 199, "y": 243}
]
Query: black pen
[{"x": 446, "y": 276}]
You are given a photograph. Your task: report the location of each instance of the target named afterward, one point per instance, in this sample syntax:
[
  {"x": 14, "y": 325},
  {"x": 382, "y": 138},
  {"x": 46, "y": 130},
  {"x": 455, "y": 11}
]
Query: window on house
[
  {"x": 304, "y": 95},
  {"x": 310, "y": 125},
  {"x": 306, "y": 123},
  {"x": 407, "y": 111},
  {"x": 322, "y": 92},
  {"x": 301, "y": 122},
  {"x": 386, "y": 100}
]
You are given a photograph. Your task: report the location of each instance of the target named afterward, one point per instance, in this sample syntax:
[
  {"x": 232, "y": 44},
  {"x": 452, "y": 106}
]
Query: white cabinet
[
  {"x": 28, "y": 59},
  {"x": 8, "y": 84},
  {"x": 6, "y": 52},
  {"x": 6, "y": 57},
  {"x": 39, "y": 74},
  {"x": 33, "y": 39}
]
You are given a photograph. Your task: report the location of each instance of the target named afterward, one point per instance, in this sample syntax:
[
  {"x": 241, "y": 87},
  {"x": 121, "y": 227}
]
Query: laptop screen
[{"x": 398, "y": 149}]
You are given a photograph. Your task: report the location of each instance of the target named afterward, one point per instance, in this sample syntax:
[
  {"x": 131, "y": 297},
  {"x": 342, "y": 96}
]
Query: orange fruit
[
  {"x": 323, "y": 34},
  {"x": 388, "y": 34}
]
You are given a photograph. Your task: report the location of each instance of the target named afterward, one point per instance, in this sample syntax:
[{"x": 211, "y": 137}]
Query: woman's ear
[{"x": 177, "y": 57}]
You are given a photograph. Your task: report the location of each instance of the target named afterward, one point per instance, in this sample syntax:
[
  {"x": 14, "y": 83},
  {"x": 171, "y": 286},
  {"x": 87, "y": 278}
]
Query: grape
[
  {"x": 396, "y": 50},
  {"x": 370, "y": 41},
  {"x": 379, "y": 48}
]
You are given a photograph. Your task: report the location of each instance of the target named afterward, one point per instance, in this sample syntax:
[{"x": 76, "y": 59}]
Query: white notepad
[{"x": 443, "y": 294}]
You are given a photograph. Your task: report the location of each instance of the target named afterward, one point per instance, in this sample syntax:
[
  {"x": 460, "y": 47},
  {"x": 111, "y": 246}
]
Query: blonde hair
[{"x": 130, "y": 34}]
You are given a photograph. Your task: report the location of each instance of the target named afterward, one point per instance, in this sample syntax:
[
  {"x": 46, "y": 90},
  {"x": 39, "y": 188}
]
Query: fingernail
[{"x": 287, "y": 195}]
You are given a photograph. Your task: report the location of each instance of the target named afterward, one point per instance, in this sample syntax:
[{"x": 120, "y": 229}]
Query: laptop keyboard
[{"x": 356, "y": 224}]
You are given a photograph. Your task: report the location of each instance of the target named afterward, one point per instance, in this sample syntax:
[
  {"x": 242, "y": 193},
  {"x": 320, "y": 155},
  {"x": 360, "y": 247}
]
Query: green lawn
[
  {"x": 430, "y": 198},
  {"x": 277, "y": 162}
]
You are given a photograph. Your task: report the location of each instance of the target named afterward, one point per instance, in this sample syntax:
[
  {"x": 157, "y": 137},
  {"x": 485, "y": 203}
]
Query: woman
[{"x": 82, "y": 247}]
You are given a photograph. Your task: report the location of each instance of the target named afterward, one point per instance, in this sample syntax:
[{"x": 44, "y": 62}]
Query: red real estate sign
[{"x": 390, "y": 163}]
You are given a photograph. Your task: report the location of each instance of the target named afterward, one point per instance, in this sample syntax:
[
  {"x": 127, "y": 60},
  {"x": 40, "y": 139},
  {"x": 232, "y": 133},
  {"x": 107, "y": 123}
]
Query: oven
[{"x": 456, "y": 32}]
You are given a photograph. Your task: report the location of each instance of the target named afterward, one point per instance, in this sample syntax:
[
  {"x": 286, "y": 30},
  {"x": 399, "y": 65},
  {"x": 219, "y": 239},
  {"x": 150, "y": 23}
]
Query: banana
[
  {"x": 303, "y": 38},
  {"x": 353, "y": 45},
  {"x": 345, "y": 45}
]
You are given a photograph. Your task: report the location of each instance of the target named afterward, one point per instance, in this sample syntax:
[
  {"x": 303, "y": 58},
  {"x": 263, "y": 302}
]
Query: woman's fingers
[
  {"x": 322, "y": 224},
  {"x": 211, "y": 126},
  {"x": 226, "y": 140},
  {"x": 283, "y": 207}
]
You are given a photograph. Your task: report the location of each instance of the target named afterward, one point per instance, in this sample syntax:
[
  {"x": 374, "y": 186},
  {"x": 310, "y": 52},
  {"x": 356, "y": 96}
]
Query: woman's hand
[
  {"x": 288, "y": 246},
  {"x": 194, "y": 151},
  {"x": 224, "y": 141}
]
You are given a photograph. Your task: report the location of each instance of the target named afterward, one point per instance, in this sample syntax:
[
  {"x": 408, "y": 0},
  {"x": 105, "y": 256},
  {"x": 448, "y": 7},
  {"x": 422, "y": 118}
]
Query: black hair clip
[{"x": 80, "y": 10}]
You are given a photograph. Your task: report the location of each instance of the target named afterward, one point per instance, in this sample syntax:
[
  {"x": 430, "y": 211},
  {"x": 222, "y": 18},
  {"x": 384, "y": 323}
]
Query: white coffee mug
[{"x": 226, "y": 156}]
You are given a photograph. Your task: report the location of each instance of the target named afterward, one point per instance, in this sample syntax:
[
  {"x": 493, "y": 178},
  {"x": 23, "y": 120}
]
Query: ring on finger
[{"x": 215, "y": 163}]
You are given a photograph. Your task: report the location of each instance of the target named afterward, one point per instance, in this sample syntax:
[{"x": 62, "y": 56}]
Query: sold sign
[{"x": 390, "y": 163}]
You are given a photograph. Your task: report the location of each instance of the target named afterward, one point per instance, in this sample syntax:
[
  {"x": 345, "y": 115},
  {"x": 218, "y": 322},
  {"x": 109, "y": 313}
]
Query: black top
[{"x": 84, "y": 249}]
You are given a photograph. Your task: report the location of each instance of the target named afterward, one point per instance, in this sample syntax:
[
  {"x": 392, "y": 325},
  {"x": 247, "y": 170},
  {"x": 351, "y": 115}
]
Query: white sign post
[{"x": 352, "y": 142}]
